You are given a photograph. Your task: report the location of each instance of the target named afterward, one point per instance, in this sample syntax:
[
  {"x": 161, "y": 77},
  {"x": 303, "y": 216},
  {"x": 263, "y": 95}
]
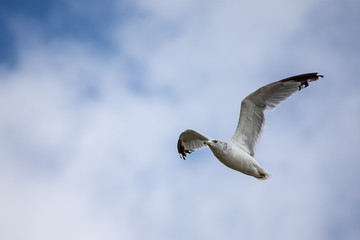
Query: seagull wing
[
  {"x": 252, "y": 120},
  {"x": 190, "y": 141}
]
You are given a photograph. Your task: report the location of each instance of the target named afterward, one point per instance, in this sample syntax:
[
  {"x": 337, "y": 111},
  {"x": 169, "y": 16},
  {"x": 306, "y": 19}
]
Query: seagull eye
[{"x": 215, "y": 141}]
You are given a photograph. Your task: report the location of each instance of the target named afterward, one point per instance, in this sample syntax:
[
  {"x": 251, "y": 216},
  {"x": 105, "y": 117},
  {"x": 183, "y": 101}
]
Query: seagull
[{"x": 238, "y": 153}]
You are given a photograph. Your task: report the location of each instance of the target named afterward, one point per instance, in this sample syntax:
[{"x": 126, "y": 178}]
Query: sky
[{"x": 94, "y": 94}]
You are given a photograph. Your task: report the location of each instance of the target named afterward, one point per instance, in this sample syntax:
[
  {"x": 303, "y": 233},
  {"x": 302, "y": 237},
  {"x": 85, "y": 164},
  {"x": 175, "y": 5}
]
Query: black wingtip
[
  {"x": 304, "y": 79},
  {"x": 316, "y": 77},
  {"x": 181, "y": 150}
]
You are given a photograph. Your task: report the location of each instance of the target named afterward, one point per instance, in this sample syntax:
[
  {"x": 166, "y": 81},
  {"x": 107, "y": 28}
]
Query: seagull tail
[{"x": 262, "y": 175}]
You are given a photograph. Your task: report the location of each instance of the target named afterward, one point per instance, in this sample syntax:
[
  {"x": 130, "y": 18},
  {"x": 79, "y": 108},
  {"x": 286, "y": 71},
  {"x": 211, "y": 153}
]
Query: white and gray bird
[{"x": 238, "y": 153}]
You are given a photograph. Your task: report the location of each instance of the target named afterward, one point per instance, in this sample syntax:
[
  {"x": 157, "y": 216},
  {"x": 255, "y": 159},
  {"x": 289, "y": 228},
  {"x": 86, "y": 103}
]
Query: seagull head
[
  {"x": 219, "y": 148},
  {"x": 212, "y": 142}
]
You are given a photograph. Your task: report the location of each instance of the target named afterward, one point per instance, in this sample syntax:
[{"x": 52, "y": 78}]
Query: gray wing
[
  {"x": 252, "y": 120},
  {"x": 190, "y": 141}
]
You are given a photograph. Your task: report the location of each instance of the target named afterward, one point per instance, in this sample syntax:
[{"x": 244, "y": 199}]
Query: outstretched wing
[
  {"x": 190, "y": 141},
  {"x": 251, "y": 120}
]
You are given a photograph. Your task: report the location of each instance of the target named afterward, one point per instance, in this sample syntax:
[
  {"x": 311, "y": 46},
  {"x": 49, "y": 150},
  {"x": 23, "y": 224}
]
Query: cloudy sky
[{"x": 94, "y": 94}]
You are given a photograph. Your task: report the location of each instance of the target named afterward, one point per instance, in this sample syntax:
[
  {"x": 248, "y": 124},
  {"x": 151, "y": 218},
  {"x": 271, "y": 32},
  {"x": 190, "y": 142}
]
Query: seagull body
[{"x": 238, "y": 153}]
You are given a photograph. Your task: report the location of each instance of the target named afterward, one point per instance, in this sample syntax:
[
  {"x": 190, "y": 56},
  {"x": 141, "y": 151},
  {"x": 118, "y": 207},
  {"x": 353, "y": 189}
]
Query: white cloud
[{"x": 85, "y": 154}]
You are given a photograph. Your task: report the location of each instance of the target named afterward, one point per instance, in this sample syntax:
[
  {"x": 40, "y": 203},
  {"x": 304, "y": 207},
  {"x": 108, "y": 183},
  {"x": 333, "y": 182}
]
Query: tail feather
[{"x": 262, "y": 175}]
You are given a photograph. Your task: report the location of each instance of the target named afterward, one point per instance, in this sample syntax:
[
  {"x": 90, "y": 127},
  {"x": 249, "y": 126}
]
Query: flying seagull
[{"x": 238, "y": 153}]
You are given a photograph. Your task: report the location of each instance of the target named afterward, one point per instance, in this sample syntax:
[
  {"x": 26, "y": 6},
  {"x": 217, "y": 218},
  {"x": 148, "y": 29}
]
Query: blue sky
[{"x": 93, "y": 97}]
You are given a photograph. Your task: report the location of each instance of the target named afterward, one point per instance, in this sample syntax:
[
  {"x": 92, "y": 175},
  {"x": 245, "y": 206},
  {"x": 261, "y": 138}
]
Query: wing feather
[
  {"x": 252, "y": 119},
  {"x": 190, "y": 141}
]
